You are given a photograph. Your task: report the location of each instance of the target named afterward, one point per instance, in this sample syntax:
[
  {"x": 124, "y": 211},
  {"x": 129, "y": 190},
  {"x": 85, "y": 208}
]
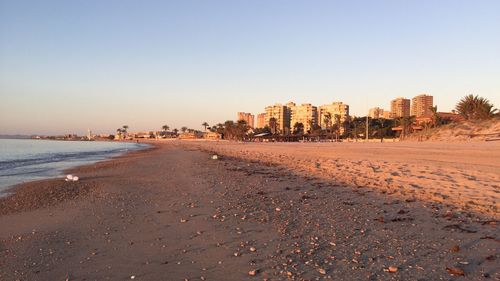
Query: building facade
[
  {"x": 400, "y": 107},
  {"x": 247, "y": 117},
  {"x": 421, "y": 105},
  {"x": 335, "y": 108},
  {"x": 278, "y": 118},
  {"x": 306, "y": 113},
  {"x": 376, "y": 112},
  {"x": 261, "y": 120}
]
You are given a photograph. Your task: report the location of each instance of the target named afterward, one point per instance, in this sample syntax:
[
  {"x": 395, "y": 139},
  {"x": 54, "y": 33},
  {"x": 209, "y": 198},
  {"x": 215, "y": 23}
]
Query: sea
[{"x": 23, "y": 160}]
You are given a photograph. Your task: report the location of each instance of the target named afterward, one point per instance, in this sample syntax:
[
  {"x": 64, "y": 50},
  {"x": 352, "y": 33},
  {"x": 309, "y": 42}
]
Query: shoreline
[
  {"x": 6, "y": 190},
  {"x": 32, "y": 195}
]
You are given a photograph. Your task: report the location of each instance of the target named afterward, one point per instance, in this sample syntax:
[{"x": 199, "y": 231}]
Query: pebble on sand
[
  {"x": 455, "y": 271},
  {"x": 392, "y": 269},
  {"x": 253, "y": 272}
]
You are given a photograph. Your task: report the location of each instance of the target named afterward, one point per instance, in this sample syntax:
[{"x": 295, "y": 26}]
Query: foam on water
[{"x": 28, "y": 160}]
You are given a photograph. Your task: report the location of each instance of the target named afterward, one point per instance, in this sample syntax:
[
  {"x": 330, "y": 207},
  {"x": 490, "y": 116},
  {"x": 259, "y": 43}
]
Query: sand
[{"x": 276, "y": 211}]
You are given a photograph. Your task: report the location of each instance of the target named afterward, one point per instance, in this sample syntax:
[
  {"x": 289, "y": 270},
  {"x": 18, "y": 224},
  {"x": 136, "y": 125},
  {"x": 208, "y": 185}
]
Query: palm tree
[
  {"x": 436, "y": 119},
  {"x": 124, "y": 131},
  {"x": 327, "y": 118},
  {"x": 474, "y": 107},
  {"x": 205, "y": 124},
  {"x": 298, "y": 128},
  {"x": 406, "y": 125},
  {"x": 175, "y": 131},
  {"x": 338, "y": 126},
  {"x": 119, "y": 132},
  {"x": 165, "y": 128},
  {"x": 273, "y": 124},
  {"x": 184, "y": 129}
]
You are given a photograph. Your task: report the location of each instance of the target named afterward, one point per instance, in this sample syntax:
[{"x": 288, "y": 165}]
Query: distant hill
[
  {"x": 462, "y": 131},
  {"x": 15, "y": 137}
]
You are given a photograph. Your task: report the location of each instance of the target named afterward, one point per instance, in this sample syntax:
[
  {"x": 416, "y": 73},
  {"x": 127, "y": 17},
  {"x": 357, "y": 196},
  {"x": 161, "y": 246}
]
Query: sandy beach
[{"x": 275, "y": 211}]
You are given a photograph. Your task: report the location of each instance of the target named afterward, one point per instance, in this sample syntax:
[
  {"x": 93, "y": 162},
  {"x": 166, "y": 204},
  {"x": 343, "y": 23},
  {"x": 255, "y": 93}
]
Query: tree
[
  {"x": 175, "y": 131},
  {"x": 406, "y": 125},
  {"x": 327, "y": 118},
  {"x": 436, "y": 119},
  {"x": 474, "y": 107},
  {"x": 184, "y": 129},
  {"x": 273, "y": 124},
  {"x": 337, "y": 126},
  {"x": 205, "y": 125},
  {"x": 124, "y": 130},
  {"x": 119, "y": 132},
  {"x": 165, "y": 128},
  {"x": 298, "y": 128},
  {"x": 347, "y": 126}
]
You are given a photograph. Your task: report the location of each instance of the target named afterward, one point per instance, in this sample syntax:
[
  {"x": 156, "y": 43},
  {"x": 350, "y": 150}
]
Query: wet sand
[{"x": 172, "y": 213}]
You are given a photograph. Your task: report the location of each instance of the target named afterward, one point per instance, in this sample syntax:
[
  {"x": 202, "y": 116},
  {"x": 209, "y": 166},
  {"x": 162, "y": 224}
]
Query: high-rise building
[
  {"x": 306, "y": 113},
  {"x": 376, "y": 112},
  {"x": 261, "y": 120},
  {"x": 333, "y": 109},
  {"x": 247, "y": 117},
  {"x": 421, "y": 105},
  {"x": 400, "y": 107},
  {"x": 278, "y": 118}
]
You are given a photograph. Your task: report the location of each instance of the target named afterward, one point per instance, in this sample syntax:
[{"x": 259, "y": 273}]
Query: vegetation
[
  {"x": 234, "y": 131},
  {"x": 298, "y": 128},
  {"x": 205, "y": 125},
  {"x": 475, "y": 108}
]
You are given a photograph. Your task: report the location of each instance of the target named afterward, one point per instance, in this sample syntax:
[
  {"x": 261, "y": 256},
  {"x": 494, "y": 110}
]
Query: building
[
  {"x": 421, "y": 105},
  {"x": 261, "y": 120},
  {"x": 376, "y": 112},
  {"x": 306, "y": 113},
  {"x": 278, "y": 118},
  {"x": 386, "y": 114},
  {"x": 400, "y": 107},
  {"x": 333, "y": 109},
  {"x": 247, "y": 117}
]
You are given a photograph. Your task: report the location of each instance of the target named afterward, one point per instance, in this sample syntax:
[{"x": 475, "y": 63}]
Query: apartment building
[
  {"x": 376, "y": 112},
  {"x": 281, "y": 116},
  {"x": 247, "y": 117},
  {"x": 306, "y": 113},
  {"x": 335, "y": 108},
  {"x": 261, "y": 120},
  {"x": 400, "y": 107},
  {"x": 421, "y": 105}
]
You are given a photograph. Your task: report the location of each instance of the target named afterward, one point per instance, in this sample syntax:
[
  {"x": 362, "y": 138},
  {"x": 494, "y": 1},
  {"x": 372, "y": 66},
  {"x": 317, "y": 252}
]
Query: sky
[{"x": 69, "y": 66}]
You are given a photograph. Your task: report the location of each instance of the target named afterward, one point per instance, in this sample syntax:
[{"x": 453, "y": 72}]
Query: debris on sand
[
  {"x": 455, "y": 271},
  {"x": 253, "y": 272}
]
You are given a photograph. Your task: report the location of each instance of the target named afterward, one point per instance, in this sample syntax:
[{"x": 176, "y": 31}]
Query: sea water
[{"x": 23, "y": 160}]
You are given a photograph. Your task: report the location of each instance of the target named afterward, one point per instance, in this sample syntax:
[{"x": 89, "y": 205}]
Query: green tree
[
  {"x": 475, "y": 108},
  {"x": 298, "y": 128},
  {"x": 205, "y": 125},
  {"x": 327, "y": 119},
  {"x": 273, "y": 124},
  {"x": 124, "y": 130}
]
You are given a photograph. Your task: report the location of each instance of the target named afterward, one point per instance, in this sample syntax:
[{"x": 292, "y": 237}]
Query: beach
[{"x": 262, "y": 211}]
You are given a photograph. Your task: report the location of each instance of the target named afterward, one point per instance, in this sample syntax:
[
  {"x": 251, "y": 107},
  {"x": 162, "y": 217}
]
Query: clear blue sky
[{"x": 66, "y": 66}]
